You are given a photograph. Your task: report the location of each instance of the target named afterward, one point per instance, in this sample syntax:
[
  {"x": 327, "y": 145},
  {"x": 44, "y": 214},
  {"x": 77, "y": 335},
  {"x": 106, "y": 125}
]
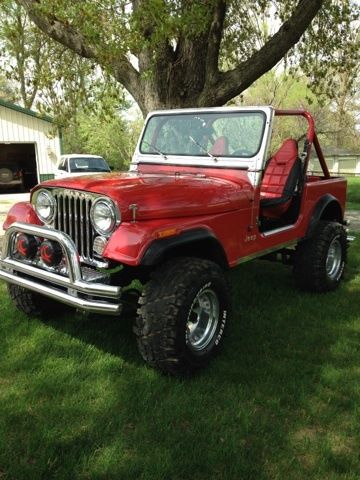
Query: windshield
[
  {"x": 88, "y": 164},
  {"x": 225, "y": 134}
]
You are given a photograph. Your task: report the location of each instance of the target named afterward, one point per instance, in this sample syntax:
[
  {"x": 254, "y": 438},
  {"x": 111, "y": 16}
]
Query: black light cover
[
  {"x": 27, "y": 245},
  {"x": 50, "y": 253}
]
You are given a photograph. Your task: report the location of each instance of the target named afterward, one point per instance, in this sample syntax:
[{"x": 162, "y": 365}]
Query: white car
[{"x": 80, "y": 164}]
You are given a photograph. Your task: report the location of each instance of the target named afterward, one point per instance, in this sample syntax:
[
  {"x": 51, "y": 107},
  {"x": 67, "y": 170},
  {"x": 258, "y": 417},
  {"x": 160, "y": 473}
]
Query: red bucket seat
[
  {"x": 220, "y": 147},
  {"x": 280, "y": 180}
]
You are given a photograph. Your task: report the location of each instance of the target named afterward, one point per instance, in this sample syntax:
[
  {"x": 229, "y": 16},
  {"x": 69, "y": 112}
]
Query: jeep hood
[{"x": 161, "y": 196}]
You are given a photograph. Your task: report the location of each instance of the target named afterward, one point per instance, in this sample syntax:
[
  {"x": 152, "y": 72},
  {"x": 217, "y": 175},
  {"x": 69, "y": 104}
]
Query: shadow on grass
[
  {"x": 110, "y": 334},
  {"x": 279, "y": 402}
]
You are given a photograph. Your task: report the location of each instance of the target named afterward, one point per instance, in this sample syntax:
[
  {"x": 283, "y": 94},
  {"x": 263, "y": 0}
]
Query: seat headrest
[
  {"x": 220, "y": 147},
  {"x": 288, "y": 150}
]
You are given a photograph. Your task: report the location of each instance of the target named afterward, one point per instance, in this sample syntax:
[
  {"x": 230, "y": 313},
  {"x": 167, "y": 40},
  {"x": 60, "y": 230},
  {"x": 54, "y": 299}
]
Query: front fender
[
  {"x": 127, "y": 243},
  {"x": 21, "y": 212},
  {"x": 143, "y": 243}
]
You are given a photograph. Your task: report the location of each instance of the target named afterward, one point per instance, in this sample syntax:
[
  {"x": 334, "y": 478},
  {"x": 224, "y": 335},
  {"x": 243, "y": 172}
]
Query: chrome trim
[
  {"x": 49, "y": 220},
  {"x": 73, "y": 218},
  {"x": 115, "y": 211},
  {"x": 73, "y": 283},
  {"x": 70, "y": 214},
  {"x": 292, "y": 243},
  {"x": 88, "y": 246},
  {"x": 82, "y": 226},
  {"x": 277, "y": 230},
  {"x": 203, "y": 319},
  {"x": 62, "y": 297}
]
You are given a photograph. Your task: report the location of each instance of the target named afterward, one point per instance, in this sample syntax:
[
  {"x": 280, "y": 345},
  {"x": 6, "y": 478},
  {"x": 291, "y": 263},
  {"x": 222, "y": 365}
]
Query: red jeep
[{"x": 203, "y": 195}]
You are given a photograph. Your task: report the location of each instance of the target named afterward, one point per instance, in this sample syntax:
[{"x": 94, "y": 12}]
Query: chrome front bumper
[{"x": 73, "y": 289}]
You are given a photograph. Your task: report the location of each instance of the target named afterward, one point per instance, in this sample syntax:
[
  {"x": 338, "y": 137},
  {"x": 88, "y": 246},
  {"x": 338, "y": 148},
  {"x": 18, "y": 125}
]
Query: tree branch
[
  {"x": 65, "y": 34},
  {"x": 215, "y": 37},
  {"x": 233, "y": 82},
  {"x": 62, "y": 33}
]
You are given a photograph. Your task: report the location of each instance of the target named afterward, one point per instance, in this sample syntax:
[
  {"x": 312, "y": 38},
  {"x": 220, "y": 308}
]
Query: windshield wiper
[
  {"x": 156, "y": 149},
  {"x": 203, "y": 148}
]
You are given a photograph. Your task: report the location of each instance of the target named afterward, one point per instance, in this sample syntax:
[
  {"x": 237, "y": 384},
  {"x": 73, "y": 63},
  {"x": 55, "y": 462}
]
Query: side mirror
[{"x": 111, "y": 167}]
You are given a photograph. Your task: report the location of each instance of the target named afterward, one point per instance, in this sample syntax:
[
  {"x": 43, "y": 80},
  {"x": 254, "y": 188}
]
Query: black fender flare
[
  {"x": 323, "y": 203},
  {"x": 158, "y": 249}
]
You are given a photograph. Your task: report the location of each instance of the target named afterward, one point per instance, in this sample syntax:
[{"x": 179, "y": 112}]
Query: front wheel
[
  {"x": 33, "y": 304},
  {"x": 182, "y": 316},
  {"x": 320, "y": 261}
]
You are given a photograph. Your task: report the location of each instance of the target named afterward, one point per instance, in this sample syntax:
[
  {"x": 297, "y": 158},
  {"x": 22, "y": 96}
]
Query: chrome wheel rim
[
  {"x": 334, "y": 259},
  {"x": 202, "y": 320}
]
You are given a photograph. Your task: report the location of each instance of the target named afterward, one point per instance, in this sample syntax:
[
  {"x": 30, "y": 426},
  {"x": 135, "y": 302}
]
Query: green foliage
[
  {"x": 113, "y": 137},
  {"x": 7, "y": 92},
  {"x": 280, "y": 402},
  {"x": 48, "y": 77},
  {"x": 335, "y": 120},
  {"x": 353, "y": 193},
  {"x": 330, "y": 48}
]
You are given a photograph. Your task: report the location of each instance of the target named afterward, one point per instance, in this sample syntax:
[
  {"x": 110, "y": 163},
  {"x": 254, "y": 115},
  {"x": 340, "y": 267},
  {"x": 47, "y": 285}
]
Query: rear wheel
[
  {"x": 320, "y": 261},
  {"x": 182, "y": 317}
]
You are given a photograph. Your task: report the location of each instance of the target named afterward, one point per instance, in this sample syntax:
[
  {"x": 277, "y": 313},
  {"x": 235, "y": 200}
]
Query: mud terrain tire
[
  {"x": 320, "y": 261},
  {"x": 33, "y": 304},
  {"x": 183, "y": 312}
]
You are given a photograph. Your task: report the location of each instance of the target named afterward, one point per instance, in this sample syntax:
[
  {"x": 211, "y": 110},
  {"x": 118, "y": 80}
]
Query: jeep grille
[{"x": 73, "y": 218}]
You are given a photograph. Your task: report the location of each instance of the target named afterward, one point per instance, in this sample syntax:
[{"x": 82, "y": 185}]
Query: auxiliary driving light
[
  {"x": 26, "y": 245},
  {"x": 50, "y": 253}
]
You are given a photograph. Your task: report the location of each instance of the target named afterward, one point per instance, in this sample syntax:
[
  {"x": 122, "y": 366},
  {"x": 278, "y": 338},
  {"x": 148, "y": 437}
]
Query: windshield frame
[{"x": 204, "y": 160}]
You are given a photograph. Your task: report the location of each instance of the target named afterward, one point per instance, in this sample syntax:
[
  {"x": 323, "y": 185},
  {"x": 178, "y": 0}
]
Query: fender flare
[
  {"x": 322, "y": 204},
  {"x": 158, "y": 249}
]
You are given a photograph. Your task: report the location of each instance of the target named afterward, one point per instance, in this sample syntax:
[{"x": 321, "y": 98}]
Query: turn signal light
[
  {"x": 26, "y": 245},
  {"x": 99, "y": 245},
  {"x": 169, "y": 232},
  {"x": 50, "y": 253}
]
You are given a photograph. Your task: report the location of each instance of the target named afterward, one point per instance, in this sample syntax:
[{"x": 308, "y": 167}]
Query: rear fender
[{"x": 327, "y": 208}]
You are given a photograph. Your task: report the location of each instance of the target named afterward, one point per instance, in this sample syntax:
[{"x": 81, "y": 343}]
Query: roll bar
[{"x": 311, "y": 138}]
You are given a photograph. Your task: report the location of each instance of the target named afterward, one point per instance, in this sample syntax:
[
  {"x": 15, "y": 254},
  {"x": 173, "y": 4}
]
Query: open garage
[{"x": 29, "y": 148}]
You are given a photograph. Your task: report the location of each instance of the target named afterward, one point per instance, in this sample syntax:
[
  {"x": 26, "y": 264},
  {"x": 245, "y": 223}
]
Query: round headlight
[
  {"x": 45, "y": 206},
  {"x": 104, "y": 216}
]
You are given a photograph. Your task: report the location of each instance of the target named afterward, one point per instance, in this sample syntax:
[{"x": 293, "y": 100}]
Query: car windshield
[
  {"x": 88, "y": 164},
  {"x": 225, "y": 134}
]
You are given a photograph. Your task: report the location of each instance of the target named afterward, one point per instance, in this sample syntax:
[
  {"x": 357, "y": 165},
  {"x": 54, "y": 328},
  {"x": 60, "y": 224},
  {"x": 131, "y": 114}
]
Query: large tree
[{"x": 181, "y": 53}]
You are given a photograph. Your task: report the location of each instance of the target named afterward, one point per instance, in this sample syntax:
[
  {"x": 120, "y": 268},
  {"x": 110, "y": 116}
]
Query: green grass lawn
[
  {"x": 353, "y": 193},
  {"x": 280, "y": 402}
]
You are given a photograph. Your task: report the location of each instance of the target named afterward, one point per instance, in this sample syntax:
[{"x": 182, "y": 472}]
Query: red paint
[
  {"x": 21, "y": 212},
  {"x": 50, "y": 252},
  {"x": 162, "y": 196},
  {"x": 22, "y": 247},
  {"x": 46, "y": 254}
]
